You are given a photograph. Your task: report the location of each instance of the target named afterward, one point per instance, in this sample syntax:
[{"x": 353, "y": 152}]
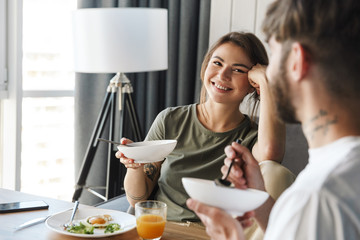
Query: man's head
[{"x": 328, "y": 35}]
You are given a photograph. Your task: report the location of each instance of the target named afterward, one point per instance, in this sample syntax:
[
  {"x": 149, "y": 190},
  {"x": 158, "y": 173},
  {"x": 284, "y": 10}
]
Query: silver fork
[{"x": 66, "y": 225}]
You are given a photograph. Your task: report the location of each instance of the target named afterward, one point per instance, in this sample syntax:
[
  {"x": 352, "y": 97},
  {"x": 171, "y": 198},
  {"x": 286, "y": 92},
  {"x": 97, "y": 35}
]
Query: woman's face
[{"x": 226, "y": 78}]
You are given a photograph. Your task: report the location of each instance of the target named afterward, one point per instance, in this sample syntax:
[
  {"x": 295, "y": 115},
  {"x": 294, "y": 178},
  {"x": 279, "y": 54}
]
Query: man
[{"x": 314, "y": 73}]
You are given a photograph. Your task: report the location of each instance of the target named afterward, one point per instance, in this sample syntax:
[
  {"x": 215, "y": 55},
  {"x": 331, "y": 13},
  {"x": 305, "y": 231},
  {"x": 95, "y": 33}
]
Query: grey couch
[{"x": 296, "y": 150}]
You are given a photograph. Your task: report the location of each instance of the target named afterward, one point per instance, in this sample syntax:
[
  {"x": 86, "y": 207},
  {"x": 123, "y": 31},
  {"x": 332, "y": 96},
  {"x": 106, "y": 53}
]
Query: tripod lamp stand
[{"x": 116, "y": 40}]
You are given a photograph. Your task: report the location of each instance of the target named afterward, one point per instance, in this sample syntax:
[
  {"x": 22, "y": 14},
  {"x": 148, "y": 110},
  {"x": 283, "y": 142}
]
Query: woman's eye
[
  {"x": 217, "y": 63},
  {"x": 239, "y": 70}
]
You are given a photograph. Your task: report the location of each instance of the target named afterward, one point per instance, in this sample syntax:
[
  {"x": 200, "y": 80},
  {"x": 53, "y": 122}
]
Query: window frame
[
  {"x": 3, "y": 68},
  {"x": 3, "y": 71},
  {"x": 11, "y": 98},
  {"x": 11, "y": 106}
]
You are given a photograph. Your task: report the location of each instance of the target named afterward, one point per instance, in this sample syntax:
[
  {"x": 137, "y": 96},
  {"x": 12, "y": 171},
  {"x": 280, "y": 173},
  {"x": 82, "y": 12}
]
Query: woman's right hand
[
  {"x": 257, "y": 76},
  {"x": 128, "y": 162}
]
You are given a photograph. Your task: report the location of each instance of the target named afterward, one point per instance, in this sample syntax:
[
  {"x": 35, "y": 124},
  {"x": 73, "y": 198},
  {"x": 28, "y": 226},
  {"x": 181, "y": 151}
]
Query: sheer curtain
[{"x": 153, "y": 91}]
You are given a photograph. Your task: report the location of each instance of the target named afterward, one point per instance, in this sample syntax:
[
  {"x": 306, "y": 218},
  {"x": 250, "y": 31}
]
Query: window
[{"x": 45, "y": 126}]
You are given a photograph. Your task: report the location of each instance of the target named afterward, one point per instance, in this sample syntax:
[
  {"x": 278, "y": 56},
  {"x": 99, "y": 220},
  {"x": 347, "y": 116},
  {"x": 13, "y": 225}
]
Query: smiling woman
[{"x": 204, "y": 129}]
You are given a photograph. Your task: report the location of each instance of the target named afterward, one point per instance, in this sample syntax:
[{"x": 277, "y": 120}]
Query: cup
[{"x": 150, "y": 219}]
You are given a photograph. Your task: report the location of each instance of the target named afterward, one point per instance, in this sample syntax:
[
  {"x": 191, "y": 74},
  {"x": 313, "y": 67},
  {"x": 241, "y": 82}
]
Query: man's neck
[{"x": 327, "y": 125}]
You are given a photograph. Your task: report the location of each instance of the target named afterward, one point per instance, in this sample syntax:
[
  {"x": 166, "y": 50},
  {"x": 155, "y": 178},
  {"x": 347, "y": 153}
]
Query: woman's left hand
[{"x": 257, "y": 76}]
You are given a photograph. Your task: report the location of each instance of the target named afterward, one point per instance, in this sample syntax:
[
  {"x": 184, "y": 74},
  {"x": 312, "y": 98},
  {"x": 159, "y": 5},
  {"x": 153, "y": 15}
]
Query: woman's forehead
[{"x": 231, "y": 52}]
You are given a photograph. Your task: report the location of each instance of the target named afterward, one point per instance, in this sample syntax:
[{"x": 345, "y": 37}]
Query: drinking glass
[{"x": 150, "y": 219}]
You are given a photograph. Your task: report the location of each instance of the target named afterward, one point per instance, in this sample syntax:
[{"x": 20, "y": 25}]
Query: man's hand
[
  {"x": 246, "y": 172},
  {"x": 219, "y": 225}
]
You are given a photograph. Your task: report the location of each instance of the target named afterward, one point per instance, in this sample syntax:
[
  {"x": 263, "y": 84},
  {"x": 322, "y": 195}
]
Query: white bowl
[
  {"x": 148, "y": 151},
  {"x": 234, "y": 201}
]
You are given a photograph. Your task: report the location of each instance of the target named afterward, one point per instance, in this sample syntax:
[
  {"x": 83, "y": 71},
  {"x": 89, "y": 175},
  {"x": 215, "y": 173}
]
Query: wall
[
  {"x": 236, "y": 15},
  {"x": 247, "y": 15}
]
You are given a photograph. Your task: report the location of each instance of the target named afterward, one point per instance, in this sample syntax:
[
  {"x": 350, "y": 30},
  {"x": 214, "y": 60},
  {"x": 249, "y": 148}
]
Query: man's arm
[{"x": 244, "y": 174}]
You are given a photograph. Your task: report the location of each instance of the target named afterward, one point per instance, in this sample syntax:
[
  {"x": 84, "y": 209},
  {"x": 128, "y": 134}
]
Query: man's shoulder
[{"x": 346, "y": 175}]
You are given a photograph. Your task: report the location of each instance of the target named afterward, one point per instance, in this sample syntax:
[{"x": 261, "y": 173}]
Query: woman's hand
[
  {"x": 257, "y": 76},
  {"x": 128, "y": 162}
]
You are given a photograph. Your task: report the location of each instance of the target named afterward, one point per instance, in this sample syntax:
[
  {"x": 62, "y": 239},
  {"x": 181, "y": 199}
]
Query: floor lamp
[{"x": 116, "y": 40}]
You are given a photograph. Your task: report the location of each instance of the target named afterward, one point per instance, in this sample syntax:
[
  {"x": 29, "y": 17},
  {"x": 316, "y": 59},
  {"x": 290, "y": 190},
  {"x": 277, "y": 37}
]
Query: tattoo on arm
[
  {"x": 151, "y": 170},
  {"x": 141, "y": 197}
]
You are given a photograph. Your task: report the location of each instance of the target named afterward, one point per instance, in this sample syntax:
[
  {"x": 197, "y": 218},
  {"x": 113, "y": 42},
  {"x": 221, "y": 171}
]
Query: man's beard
[{"x": 281, "y": 94}]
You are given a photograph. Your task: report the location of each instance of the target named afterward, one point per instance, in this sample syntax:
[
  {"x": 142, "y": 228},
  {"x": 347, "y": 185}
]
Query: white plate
[
  {"x": 126, "y": 221},
  {"x": 235, "y": 201},
  {"x": 148, "y": 151}
]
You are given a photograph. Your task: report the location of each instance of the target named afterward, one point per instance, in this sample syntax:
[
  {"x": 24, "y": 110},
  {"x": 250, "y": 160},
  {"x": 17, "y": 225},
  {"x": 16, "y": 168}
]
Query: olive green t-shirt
[{"x": 199, "y": 153}]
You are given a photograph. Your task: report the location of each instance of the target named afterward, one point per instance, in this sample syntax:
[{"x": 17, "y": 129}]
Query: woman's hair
[{"x": 252, "y": 47}]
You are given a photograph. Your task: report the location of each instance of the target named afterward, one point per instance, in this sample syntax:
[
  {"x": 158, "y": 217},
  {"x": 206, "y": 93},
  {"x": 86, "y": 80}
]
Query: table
[{"x": 8, "y": 221}]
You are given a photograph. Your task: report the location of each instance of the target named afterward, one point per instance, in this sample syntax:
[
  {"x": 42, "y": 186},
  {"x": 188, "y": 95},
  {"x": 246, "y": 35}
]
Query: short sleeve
[
  {"x": 157, "y": 129},
  {"x": 249, "y": 135}
]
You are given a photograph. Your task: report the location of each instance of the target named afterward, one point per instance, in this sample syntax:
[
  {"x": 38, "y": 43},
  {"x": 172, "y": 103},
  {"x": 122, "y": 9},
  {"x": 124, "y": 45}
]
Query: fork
[
  {"x": 70, "y": 224},
  {"x": 113, "y": 142},
  {"x": 224, "y": 182}
]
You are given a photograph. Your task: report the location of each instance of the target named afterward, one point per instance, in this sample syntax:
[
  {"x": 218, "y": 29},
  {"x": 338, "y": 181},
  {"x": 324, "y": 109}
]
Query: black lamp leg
[
  {"x": 111, "y": 180},
  {"x": 115, "y": 171},
  {"x": 92, "y": 147},
  {"x": 134, "y": 120}
]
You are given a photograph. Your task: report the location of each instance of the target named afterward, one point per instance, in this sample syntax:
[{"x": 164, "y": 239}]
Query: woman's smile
[{"x": 220, "y": 87}]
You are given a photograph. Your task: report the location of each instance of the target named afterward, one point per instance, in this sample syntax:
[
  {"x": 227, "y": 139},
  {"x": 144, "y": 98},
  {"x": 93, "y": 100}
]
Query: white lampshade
[{"x": 109, "y": 40}]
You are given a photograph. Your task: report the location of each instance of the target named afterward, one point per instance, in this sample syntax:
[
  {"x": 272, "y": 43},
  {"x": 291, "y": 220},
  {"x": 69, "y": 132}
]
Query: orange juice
[{"x": 150, "y": 226}]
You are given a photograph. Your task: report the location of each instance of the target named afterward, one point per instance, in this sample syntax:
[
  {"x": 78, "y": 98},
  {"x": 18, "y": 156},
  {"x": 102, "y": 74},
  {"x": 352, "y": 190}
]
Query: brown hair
[
  {"x": 329, "y": 31},
  {"x": 253, "y": 48}
]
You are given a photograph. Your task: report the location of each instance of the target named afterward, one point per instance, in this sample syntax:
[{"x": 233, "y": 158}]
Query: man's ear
[{"x": 298, "y": 62}]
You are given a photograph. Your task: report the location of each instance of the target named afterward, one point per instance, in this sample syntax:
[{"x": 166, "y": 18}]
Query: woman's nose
[{"x": 225, "y": 73}]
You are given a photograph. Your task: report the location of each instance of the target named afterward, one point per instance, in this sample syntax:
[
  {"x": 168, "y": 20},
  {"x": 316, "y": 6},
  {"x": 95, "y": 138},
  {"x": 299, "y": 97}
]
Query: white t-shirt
[{"x": 324, "y": 201}]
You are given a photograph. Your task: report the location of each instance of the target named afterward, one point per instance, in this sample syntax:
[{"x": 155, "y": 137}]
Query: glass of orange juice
[{"x": 150, "y": 219}]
